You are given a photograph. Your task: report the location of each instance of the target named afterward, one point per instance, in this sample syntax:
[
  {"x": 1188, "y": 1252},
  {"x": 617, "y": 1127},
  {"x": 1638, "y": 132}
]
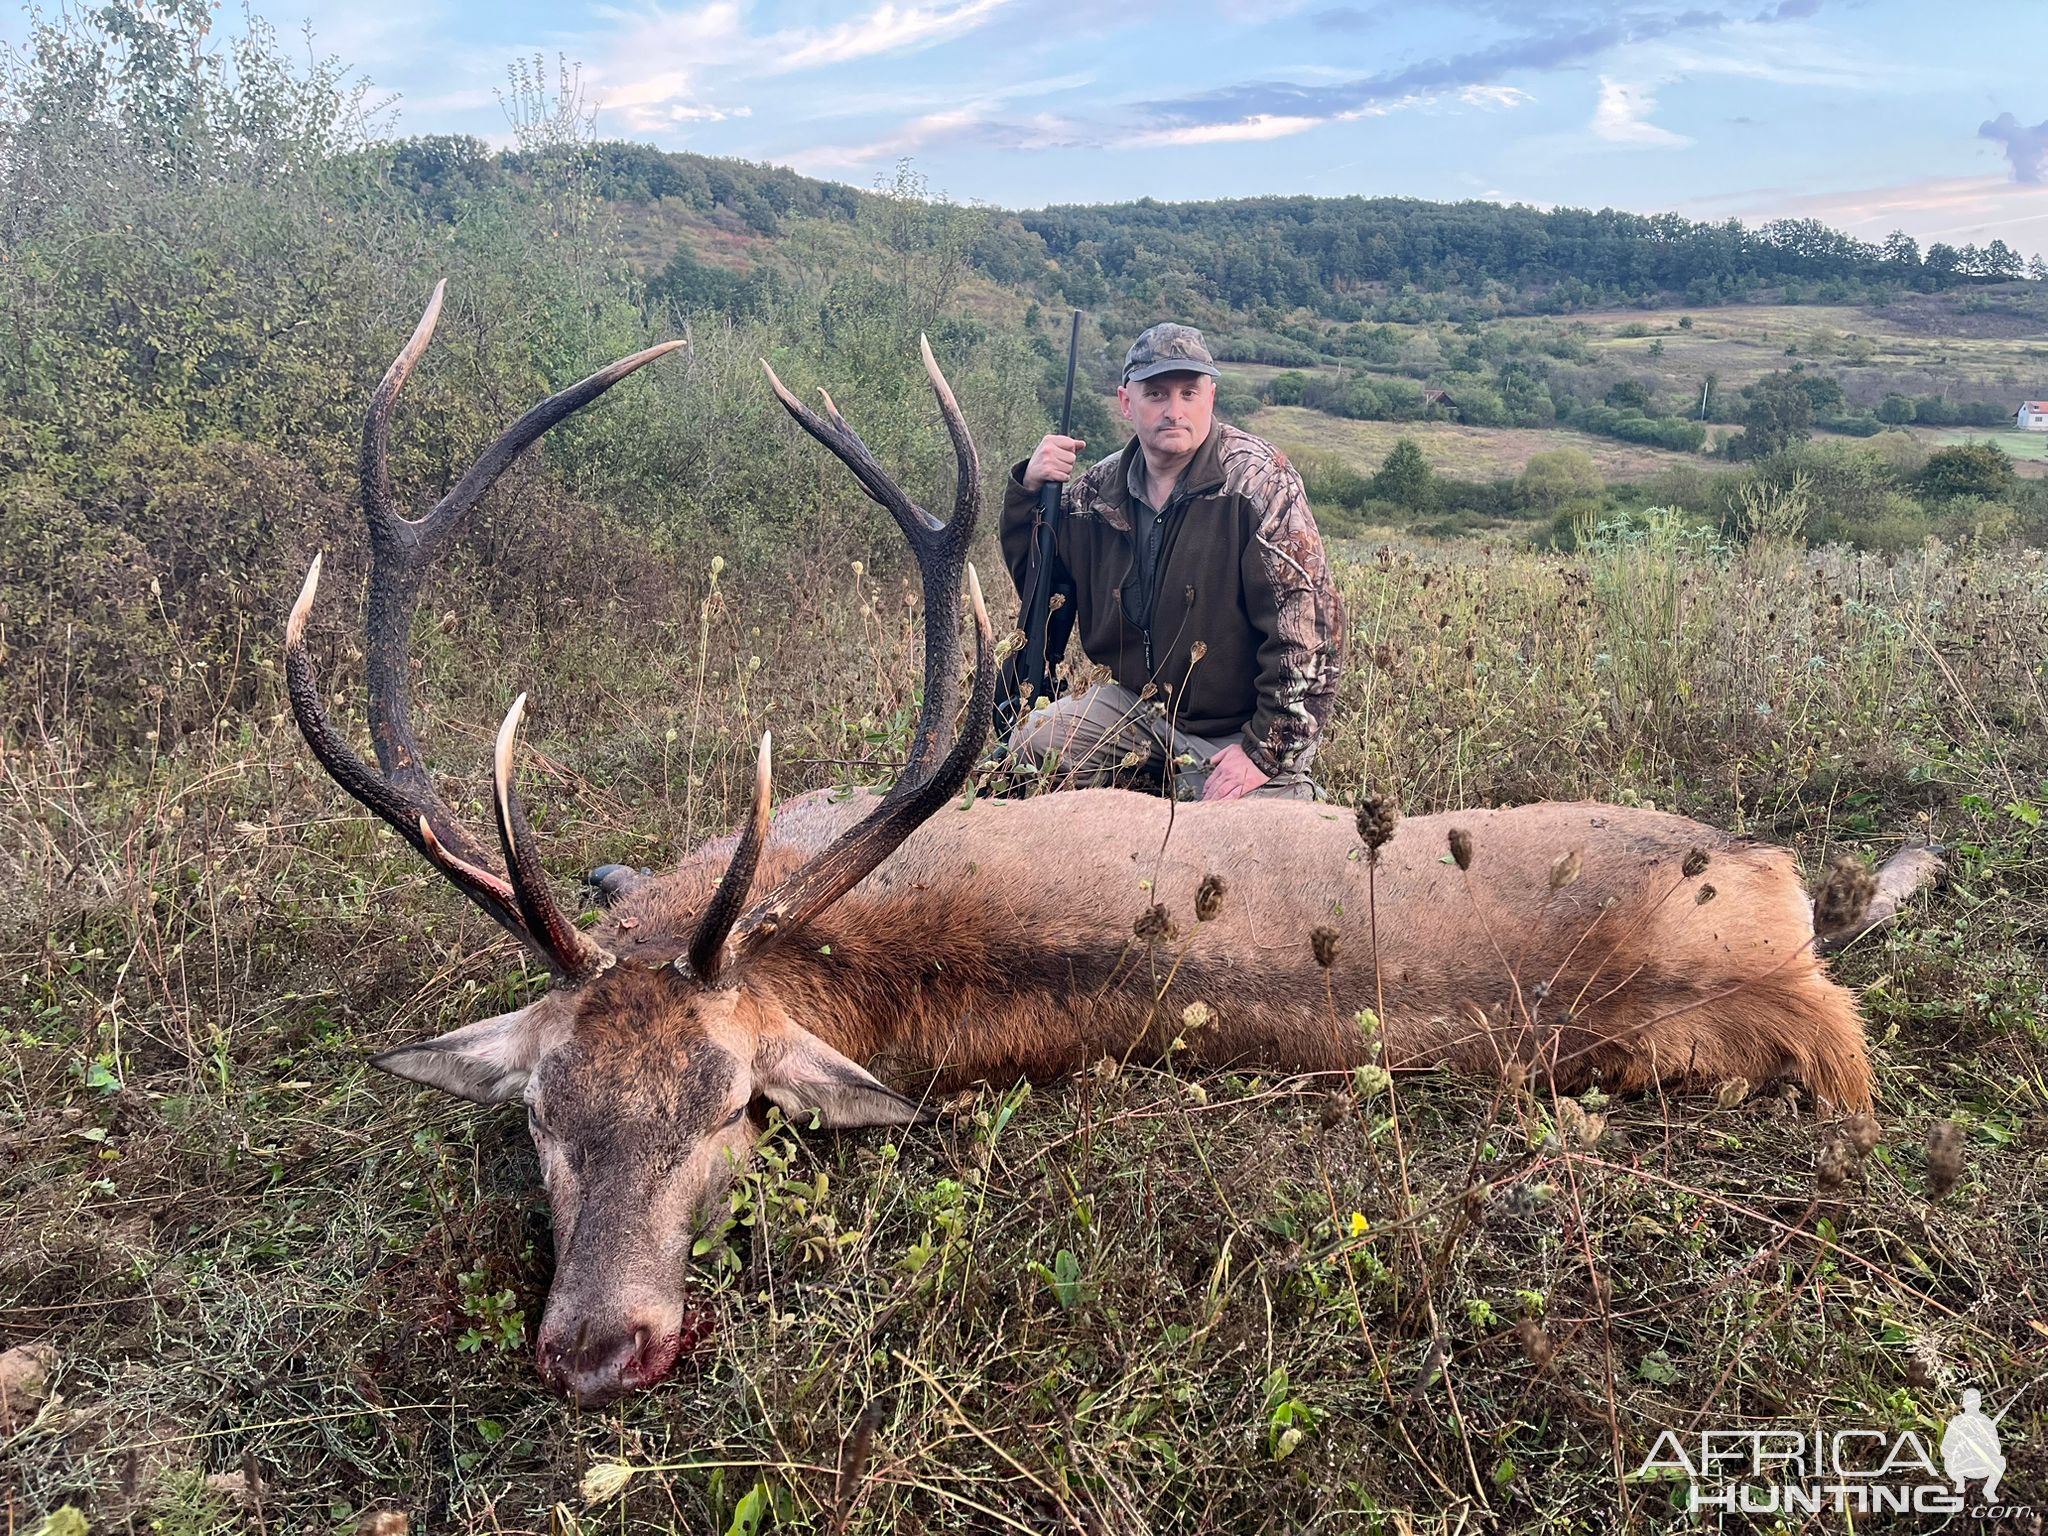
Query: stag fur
[{"x": 970, "y": 956}]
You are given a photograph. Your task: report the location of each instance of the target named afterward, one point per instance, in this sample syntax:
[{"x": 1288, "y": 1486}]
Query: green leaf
[
  {"x": 1657, "y": 1367},
  {"x": 747, "y": 1514}
]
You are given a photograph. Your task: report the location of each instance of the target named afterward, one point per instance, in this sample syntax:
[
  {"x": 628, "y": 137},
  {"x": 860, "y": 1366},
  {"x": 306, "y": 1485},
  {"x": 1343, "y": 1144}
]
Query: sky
[{"x": 1926, "y": 115}]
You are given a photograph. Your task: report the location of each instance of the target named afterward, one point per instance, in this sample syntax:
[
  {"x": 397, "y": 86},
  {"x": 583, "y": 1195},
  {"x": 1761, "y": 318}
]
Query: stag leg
[{"x": 1899, "y": 879}]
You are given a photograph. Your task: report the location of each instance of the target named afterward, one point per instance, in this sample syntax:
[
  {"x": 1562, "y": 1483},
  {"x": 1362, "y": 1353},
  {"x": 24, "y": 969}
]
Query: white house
[{"x": 2032, "y": 416}]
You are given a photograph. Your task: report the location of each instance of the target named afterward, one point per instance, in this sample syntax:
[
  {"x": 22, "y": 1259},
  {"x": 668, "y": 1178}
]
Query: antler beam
[{"x": 400, "y": 790}]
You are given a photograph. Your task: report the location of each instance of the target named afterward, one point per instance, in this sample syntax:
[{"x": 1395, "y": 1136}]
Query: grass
[
  {"x": 1472, "y": 453},
  {"x": 2027, "y": 450},
  {"x": 1132, "y": 1302}
]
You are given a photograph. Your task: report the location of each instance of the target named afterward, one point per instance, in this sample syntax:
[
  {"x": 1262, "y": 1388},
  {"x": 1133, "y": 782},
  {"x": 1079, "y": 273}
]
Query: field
[
  {"x": 1473, "y": 453},
  {"x": 2027, "y": 450},
  {"x": 284, "y": 1293}
]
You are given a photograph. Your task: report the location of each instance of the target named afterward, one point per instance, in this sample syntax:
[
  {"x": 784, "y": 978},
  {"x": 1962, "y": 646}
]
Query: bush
[
  {"x": 1654, "y": 431},
  {"x": 1563, "y": 477},
  {"x": 1968, "y": 469},
  {"x": 1236, "y": 401},
  {"x": 1287, "y": 388},
  {"x": 1328, "y": 478},
  {"x": 1405, "y": 477}
]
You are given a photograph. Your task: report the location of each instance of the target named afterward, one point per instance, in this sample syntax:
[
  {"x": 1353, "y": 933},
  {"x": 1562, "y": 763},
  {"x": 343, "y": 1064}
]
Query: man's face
[{"x": 1170, "y": 412}]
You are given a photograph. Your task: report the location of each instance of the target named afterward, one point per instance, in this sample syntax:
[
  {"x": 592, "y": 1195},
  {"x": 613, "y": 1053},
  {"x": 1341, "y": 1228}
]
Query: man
[{"x": 1192, "y": 564}]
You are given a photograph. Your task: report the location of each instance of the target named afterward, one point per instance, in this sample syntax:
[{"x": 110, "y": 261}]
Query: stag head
[{"x": 646, "y": 1080}]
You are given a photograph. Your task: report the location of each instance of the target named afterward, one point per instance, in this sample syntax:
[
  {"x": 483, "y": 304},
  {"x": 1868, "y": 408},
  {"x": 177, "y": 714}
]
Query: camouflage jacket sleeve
[{"x": 1293, "y": 603}]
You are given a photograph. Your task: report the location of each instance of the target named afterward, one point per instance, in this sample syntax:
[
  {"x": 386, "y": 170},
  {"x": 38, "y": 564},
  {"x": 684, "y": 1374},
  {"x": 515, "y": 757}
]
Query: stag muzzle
[{"x": 592, "y": 1358}]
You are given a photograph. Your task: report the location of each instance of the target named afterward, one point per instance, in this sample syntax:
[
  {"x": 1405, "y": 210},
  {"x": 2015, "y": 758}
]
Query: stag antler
[
  {"x": 940, "y": 756},
  {"x": 402, "y": 793}
]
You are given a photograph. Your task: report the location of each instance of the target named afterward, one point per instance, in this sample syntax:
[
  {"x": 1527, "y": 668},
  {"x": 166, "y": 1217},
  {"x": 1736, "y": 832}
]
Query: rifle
[{"x": 1034, "y": 671}]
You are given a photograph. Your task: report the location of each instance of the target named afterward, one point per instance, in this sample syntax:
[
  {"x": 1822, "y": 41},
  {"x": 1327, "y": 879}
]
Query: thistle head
[
  {"x": 1843, "y": 894},
  {"x": 1378, "y": 816}
]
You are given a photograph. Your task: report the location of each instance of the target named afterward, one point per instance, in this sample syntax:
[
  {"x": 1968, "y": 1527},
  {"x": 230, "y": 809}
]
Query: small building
[
  {"x": 2032, "y": 416},
  {"x": 1442, "y": 397}
]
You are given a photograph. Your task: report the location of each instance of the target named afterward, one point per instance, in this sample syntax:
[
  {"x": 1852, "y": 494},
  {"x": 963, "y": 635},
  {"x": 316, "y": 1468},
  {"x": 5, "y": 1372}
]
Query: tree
[
  {"x": 1629, "y": 395},
  {"x": 1286, "y": 388},
  {"x": 1901, "y": 250},
  {"x": 2002, "y": 262},
  {"x": 1968, "y": 469},
  {"x": 2037, "y": 269},
  {"x": 1824, "y": 392},
  {"x": 1779, "y": 413},
  {"x": 1557, "y": 479},
  {"x": 1405, "y": 477},
  {"x": 1896, "y": 410}
]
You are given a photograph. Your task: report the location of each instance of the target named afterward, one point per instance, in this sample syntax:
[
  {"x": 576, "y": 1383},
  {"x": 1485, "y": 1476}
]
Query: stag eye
[{"x": 736, "y": 1116}]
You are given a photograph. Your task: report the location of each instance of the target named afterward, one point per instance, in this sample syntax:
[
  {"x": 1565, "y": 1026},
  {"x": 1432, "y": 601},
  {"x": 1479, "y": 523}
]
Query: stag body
[
  {"x": 879, "y": 949},
  {"x": 970, "y": 955}
]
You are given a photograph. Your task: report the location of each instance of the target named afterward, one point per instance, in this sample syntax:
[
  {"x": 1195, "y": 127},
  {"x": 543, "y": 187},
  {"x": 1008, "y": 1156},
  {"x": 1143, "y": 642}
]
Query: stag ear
[
  {"x": 803, "y": 1076},
  {"x": 486, "y": 1062}
]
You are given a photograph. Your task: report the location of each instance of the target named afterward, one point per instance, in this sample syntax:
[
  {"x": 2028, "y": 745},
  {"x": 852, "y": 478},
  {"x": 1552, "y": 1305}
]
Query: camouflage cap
[{"x": 1168, "y": 348}]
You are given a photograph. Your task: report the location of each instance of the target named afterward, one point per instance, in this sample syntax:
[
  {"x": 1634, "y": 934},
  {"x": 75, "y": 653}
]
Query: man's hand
[
  {"x": 1052, "y": 459},
  {"x": 1231, "y": 775}
]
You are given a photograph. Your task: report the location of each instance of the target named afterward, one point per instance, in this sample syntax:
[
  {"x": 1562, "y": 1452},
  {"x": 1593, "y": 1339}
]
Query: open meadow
[{"x": 1453, "y": 448}]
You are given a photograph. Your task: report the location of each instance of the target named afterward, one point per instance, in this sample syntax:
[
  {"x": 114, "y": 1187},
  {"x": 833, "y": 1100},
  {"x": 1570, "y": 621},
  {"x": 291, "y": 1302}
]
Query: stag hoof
[{"x": 611, "y": 881}]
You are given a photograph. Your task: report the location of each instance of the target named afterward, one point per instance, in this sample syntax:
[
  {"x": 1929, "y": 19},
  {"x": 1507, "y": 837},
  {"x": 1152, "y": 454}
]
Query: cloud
[
  {"x": 1278, "y": 126},
  {"x": 1623, "y": 117},
  {"x": 654, "y": 59},
  {"x": 1966, "y": 208},
  {"x": 2026, "y": 148},
  {"x": 1494, "y": 96},
  {"x": 1552, "y": 49},
  {"x": 886, "y": 29},
  {"x": 967, "y": 124},
  {"x": 1262, "y": 126}
]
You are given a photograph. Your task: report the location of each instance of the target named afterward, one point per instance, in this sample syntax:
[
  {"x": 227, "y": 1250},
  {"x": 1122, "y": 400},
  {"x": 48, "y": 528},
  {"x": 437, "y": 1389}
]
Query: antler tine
[
  {"x": 858, "y": 851},
  {"x": 569, "y": 951},
  {"x": 967, "y": 488},
  {"x": 707, "y": 944},
  {"x": 845, "y": 443},
  {"x": 375, "y": 468},
  {"x": 526, "y": 431}
]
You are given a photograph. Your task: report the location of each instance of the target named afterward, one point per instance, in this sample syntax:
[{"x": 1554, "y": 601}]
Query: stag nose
[{"x": 601, "y": 1362}]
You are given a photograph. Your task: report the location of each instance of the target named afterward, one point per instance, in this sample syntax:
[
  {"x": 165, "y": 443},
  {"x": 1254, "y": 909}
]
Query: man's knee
[
  {"x": 1061, "y": 727},
  {"x": 1082, "y": 738},
  {"x": 1284, "y": 789}
]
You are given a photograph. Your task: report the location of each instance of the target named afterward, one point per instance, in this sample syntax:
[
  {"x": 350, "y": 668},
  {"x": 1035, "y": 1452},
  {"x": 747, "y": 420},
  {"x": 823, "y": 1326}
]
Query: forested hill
[
  {"x": 1344, "y": 258},
  {"x": 1330, "y": 254}
]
